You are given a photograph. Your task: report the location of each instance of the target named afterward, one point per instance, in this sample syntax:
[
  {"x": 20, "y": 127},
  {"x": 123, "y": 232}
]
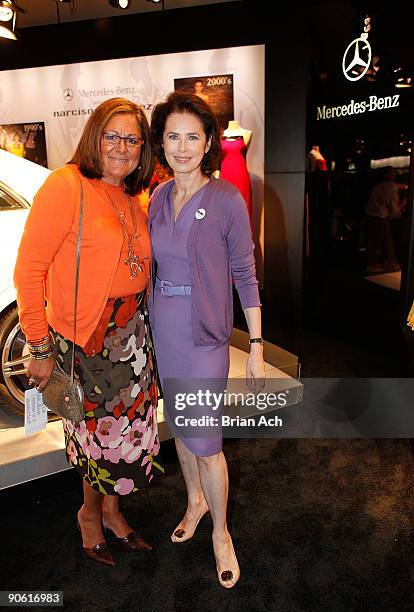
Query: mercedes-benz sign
[{"x": 357, "y": 59}]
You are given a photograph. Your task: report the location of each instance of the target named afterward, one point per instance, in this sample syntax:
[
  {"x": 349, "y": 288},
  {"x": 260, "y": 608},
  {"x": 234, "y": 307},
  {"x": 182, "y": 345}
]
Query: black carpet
[{"x": 318, "y": 525}]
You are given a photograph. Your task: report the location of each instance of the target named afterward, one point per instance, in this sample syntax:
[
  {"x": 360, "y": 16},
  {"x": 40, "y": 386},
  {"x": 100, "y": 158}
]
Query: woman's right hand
[{"x": 40, "y": 371}]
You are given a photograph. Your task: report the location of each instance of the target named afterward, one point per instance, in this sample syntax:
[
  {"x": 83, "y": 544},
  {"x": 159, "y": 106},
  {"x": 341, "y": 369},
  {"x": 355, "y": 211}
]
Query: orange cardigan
[{"x": 46, "y": 261}]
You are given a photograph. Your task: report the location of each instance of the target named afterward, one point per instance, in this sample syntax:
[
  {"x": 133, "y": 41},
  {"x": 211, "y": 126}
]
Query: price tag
[{"x": 35, "y": 412}]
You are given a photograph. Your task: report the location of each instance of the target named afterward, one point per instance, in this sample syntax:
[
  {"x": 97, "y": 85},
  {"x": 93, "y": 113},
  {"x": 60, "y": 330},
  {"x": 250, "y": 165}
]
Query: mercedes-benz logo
[
  {"x": 68, "y": 95},
  {"x": 357, "y": 59}
]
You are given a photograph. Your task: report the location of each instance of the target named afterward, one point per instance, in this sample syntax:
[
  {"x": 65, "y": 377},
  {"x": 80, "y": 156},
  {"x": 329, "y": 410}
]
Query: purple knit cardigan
[{"x": 220, "y": 248}]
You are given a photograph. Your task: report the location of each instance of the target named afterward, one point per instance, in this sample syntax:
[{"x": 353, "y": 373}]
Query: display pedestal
[{"x": 24, "y": 458}]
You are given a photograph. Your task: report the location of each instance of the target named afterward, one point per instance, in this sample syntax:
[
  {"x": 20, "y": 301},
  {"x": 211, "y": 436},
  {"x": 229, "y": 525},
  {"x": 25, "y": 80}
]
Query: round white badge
[{"x": 200, "y": 214}]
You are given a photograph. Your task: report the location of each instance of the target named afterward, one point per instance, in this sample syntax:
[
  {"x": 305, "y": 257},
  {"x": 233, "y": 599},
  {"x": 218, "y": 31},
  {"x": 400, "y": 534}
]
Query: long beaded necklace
[{"x": 133, "y": 261}]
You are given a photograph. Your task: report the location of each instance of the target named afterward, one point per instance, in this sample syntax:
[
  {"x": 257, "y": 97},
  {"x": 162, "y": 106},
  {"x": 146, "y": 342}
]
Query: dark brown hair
[
  {"x": 179, "y": 102},
  {"x": 88, "y": 152}
]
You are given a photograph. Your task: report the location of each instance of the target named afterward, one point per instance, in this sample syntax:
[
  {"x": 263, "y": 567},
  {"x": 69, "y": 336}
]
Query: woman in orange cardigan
[{"x": 115, "y": 447}]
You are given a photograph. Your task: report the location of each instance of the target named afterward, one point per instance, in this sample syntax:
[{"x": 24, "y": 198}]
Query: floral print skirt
[{"x": 115, "y": 448}]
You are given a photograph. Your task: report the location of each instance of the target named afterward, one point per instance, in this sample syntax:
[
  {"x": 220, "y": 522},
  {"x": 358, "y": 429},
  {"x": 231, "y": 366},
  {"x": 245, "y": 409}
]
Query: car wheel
[{"x": 14, "y": 355}]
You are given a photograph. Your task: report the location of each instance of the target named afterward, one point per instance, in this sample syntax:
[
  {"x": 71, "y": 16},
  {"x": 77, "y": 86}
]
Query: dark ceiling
[{"x": 46, "y": 12}]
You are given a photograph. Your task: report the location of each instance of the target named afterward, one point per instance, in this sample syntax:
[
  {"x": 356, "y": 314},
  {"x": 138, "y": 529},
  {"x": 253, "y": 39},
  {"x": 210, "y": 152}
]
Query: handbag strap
[{"x": 72, "y": 367}]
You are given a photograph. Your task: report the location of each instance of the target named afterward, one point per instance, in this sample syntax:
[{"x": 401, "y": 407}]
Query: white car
[{"x": 19, "y": 181}]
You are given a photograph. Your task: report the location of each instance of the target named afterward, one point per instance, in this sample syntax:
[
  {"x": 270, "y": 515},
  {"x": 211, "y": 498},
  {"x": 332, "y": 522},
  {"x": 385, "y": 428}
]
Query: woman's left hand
[{"x": 255, "y": 367}]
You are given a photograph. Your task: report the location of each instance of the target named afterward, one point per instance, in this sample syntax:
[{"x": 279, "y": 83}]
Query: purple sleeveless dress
[{"x": 176, "y": 355}]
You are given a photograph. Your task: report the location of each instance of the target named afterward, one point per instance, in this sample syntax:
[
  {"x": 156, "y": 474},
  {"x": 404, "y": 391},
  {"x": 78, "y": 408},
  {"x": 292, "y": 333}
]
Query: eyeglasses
[{"x": 115, "y": 139}]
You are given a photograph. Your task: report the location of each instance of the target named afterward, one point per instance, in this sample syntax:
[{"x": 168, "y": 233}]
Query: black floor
[{"x": 318, "y": 524}]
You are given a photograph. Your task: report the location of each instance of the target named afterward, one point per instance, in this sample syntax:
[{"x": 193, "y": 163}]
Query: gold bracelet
[
  {"x": 35, "y": 343},
  {"x": 40, "y": 349},
  {"x": 43, "y": 356},
  {"x": 40, "y": 353}
]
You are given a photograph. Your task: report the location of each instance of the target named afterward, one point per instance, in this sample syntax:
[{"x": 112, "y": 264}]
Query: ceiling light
[
  {"x": 6, "y": 33},
  {"x": 154, "y": 1},
  {"x": 6, "y": 12},
  {"x": 403, "y": 78},
  {"x": 8, "y": 18},
  {"x": 403, "y": 83},
  {"x": 119, "y": 4}
]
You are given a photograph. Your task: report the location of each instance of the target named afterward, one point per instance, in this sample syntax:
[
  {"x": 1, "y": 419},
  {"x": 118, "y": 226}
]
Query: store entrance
[{"x": 357, "y": 236}]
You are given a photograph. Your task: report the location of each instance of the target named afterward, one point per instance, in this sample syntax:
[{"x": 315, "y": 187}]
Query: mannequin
[
  {"x": 316, "y": 160},
  {"x": 233, "y": 167},
  {"x": 318, "y": 230},
  {"x": 234, "y": 129}
]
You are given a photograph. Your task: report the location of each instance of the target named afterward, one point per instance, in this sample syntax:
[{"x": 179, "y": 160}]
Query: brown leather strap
[{"x": 72, "y": 367}]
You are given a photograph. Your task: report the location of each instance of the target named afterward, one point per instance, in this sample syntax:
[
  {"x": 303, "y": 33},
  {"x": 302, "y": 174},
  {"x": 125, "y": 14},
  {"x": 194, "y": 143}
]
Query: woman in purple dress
[{"x": 201, "y": 241}]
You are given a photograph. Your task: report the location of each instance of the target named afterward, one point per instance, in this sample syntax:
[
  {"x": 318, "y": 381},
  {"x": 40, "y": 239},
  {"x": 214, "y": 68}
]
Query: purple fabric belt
[{"x": 167, "y": 288}]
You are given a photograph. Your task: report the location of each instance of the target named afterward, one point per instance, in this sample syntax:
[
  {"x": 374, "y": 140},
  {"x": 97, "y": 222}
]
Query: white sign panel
[{"x": 63, "y": 96}]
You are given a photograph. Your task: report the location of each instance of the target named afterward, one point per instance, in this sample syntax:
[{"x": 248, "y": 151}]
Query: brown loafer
[
  {"x": 99, "y": 553},
  {"x": 132, "y": 541}
]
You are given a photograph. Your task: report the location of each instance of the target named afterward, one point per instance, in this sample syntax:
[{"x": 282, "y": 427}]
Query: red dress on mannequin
[{"x": 234, "y": 168}]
